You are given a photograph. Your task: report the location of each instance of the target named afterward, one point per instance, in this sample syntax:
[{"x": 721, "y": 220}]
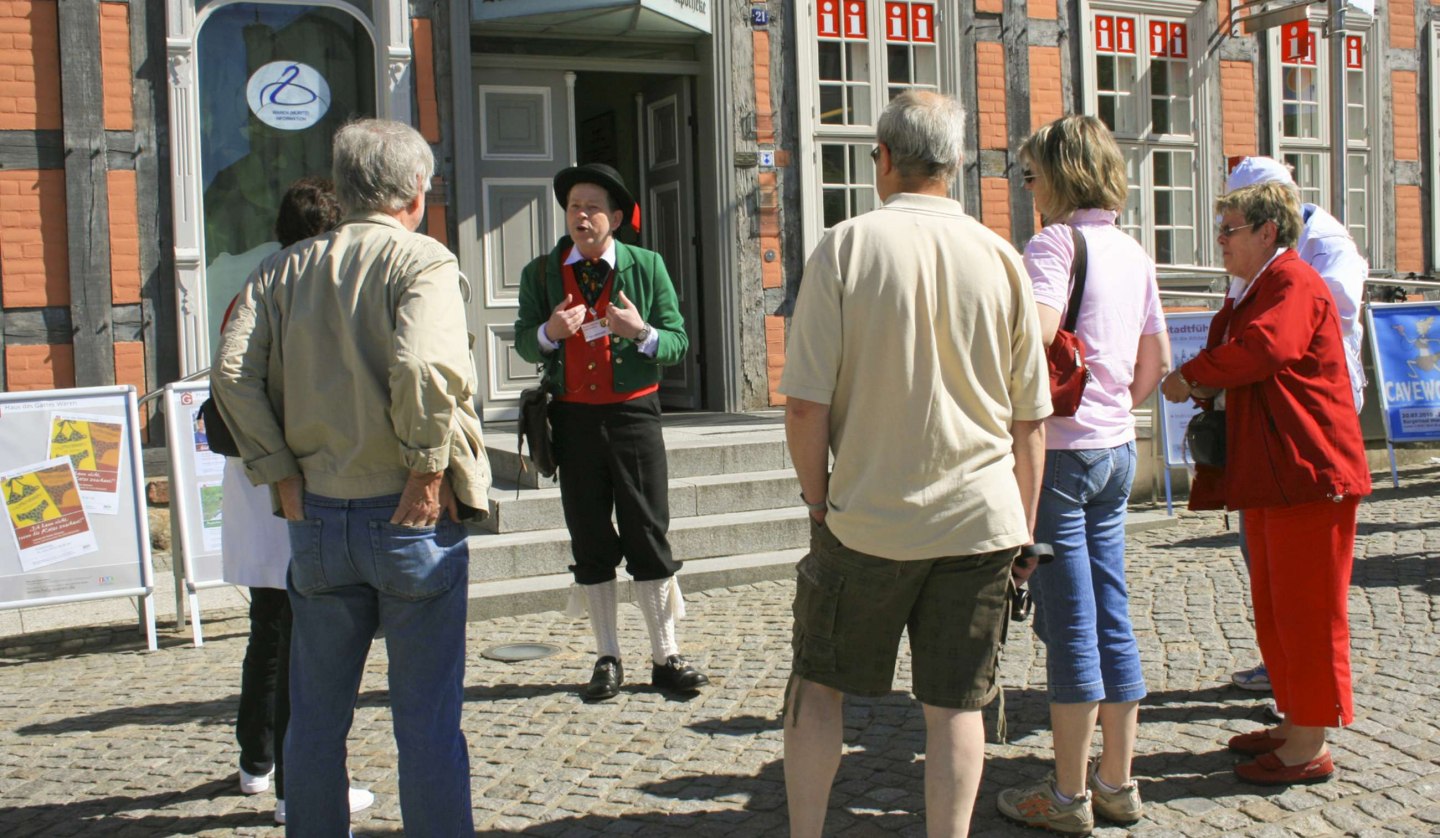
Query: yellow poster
[
  {"x": 93, "y": 446},
  {"x": 46, "y": 516}
]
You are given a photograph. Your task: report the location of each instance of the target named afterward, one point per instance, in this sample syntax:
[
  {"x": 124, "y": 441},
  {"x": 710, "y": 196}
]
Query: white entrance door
[
  {"x": 668, "y": 219},
  {"x": 523, "y": 138}
]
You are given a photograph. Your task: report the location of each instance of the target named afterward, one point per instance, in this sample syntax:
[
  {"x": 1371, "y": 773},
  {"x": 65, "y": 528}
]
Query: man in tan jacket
[{"x": 345, "y": 375}]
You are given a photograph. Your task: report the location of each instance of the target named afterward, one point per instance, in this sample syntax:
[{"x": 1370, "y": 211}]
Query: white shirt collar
[
  {"x": 1239, "y": 288},
  {"x": 608, "y": 257}
]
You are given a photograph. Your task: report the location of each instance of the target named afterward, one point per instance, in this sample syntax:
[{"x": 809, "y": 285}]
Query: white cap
[{"x": 1253, "y": 170}]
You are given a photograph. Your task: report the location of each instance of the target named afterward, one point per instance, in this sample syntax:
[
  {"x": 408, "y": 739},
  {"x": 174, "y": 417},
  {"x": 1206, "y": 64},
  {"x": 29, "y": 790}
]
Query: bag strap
[{"x": 1077, "y": 280}]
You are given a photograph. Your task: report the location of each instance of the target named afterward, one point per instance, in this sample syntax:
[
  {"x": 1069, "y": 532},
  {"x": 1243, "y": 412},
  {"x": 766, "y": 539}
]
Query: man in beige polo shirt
[{"x": 915, "y": 357}]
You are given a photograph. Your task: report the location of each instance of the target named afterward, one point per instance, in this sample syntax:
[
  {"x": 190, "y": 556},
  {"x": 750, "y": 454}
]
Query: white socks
[
  {"x": 661, "y": 603},
  {"x": 603, "y": 605}
]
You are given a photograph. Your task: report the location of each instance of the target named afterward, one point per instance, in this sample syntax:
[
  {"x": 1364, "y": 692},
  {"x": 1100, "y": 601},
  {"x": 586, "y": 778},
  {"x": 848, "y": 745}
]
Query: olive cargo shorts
[{"x": 850, "y": 608}]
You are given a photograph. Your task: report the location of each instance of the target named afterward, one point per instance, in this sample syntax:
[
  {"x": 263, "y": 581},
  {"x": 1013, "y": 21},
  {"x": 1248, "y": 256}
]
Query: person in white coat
[
  {"x": 255, "y": 552},
  {"x": 1326, "y": 246}
]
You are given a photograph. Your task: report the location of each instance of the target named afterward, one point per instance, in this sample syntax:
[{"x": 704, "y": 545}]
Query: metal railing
[{"x": 160, "y": 391}]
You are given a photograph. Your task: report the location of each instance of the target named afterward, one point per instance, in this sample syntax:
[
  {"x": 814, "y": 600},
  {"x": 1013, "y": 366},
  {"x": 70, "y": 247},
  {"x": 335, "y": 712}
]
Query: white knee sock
[
  {"x": 661, "y": 603},
  {"x": 602, "y": 604}
]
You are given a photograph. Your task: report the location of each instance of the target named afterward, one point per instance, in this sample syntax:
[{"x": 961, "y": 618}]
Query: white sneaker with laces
[
  {"x": 254, "y": 783},
  {"x": 360, "y": 800}
]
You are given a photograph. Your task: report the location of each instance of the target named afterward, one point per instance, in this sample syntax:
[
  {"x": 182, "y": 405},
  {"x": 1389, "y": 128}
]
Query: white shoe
[
  {"x": 254, "y": 783},
  {"x": 360, "y": 800}
]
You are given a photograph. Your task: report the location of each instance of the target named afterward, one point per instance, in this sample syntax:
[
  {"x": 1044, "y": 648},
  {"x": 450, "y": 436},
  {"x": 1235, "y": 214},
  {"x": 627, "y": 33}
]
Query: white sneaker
[
  {"x": 360, "y": 800},
  {"x": 254, "y": 783}
]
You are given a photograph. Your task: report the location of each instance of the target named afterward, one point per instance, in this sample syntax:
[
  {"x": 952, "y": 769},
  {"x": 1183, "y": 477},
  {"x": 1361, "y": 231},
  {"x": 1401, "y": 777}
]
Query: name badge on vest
[{"x": 595, "y": 329}]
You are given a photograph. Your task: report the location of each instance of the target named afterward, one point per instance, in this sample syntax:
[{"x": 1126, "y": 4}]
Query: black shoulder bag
[
  {"x": 534, "y": 429},
  {"x": 217, "y": 433},
  {"x": 1205, "y": 438}
]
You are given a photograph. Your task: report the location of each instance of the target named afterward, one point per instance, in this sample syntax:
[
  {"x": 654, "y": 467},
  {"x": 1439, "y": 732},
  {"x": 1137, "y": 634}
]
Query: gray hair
[
  {"x": 924, "y": 131},
  {"x": 380, "y": 165}
]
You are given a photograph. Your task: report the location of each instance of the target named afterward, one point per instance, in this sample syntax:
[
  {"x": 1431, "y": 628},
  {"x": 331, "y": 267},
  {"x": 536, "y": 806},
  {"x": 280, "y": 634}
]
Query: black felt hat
[{"x": 603, "y": 176}]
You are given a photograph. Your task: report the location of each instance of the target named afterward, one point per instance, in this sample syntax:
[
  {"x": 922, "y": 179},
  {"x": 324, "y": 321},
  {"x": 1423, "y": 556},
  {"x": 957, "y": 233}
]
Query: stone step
[
  {"x": 502, "y": 597},
  {"x": 539, "y": 509},
  {"x": 507, "y": 597},
  {"x": 696, "y": 445},
  {"x": 495, "y": 556}
]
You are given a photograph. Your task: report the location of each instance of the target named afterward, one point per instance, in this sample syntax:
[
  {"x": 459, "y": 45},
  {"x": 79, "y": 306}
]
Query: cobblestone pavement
[{"x": 100, "y": 738}]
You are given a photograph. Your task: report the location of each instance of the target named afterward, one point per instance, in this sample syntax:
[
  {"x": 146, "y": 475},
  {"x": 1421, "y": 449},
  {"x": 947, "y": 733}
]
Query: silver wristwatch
[{"x": 644, "y": 333}]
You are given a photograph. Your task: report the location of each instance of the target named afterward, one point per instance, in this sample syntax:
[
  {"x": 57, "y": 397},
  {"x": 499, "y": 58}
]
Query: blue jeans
[
  {"x": 353, "y": 572},
  {"x": 1082, "y": 607}
]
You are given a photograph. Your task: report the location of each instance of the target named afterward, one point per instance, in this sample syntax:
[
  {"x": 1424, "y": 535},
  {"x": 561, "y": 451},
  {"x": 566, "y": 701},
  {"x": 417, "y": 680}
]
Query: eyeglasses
[
  {"x": 1027, "y": 176},
  {"x": 1227, "y": 232},
  {"x": 875, "y": 153}
]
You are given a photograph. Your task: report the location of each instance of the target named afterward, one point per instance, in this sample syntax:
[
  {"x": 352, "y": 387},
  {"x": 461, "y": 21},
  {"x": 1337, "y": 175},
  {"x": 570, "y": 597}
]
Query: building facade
[{"x": 144, "y": 146}]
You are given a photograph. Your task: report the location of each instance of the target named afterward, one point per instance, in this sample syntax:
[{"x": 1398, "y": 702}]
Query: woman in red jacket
[{"x": 1295, "y": 467}]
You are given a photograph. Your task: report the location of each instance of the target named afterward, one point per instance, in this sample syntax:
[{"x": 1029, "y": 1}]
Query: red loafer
[
  {"x": 1255, "y": 743},
  {"x": 1268, "y": 770}
]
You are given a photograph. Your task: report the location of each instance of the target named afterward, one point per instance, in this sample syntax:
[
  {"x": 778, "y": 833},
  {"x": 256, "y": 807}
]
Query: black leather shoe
[
  {"x": 677, "y": 675},
  {"x": 605, "y": 682}
]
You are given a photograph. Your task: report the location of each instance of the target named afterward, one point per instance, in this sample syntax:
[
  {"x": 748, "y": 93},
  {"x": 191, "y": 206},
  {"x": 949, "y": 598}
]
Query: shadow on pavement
[
  {"x": 1398, "y": 570},
  {"x": 106, "y": 815},
  {"x": 74, "y": 642},
  {"x": 737, "y": 725}
]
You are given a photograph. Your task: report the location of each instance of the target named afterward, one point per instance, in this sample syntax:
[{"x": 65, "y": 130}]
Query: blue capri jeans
[{"x": 1082, "y": 607}]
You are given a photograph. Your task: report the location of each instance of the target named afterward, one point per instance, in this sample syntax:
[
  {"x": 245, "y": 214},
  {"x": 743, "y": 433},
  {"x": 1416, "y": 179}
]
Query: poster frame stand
[
  {"x": 1164, "y": 407},
  {"x": 144, "y": 595},
  {"x": 1165, "y": 460},
  {"x": 1373, "y": 337},
  {"x": 187, "y": 585}
]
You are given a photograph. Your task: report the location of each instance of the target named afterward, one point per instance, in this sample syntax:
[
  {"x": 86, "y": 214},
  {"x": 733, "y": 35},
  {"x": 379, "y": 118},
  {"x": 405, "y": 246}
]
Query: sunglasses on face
[
  {"x": 1227, "y": 232},
  {"x": 1027, "y": 175}
]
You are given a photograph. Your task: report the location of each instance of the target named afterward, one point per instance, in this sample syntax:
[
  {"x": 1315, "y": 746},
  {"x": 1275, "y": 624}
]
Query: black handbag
[
  {"x": 1205, "y": 438},
  {"x": 217, "y": 433},
  {"x": 534, "y": 430}
]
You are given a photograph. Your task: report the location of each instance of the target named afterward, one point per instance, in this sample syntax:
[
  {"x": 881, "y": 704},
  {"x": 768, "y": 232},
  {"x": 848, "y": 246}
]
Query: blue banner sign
[{"x": 1405, "y": 341}]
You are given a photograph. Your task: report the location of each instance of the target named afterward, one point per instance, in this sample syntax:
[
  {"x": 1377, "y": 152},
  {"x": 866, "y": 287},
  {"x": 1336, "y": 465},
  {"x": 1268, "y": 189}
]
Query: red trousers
[{"x": 1300, "y": 562}]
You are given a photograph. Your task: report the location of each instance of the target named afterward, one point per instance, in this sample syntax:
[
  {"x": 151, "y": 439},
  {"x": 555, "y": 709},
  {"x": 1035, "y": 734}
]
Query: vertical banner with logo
[
  {"x": 195, "y": 494},
  {"x": 1188, "y": 331},
  {"x": 72, "y": 486},
  {"x": 1405, "y": 343}
]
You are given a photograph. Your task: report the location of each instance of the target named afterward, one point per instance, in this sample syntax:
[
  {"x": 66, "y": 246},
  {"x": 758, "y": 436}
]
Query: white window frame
[
  {"x": 1189, "y": 12},
  {"x": 813, "y": 134},
  {"x": 1363, "y": 26}
]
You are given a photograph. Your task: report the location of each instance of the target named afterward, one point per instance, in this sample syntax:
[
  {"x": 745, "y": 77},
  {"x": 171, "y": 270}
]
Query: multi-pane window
[
  {"x": 865, "y": 52},
  {"x": 1302, "y": 90},
  {"x": 847, "y": 181},
  {"x": 1142, "y": 69},
  {"x": 844, "y": 63},
  {"x": 911, "y": 57}
]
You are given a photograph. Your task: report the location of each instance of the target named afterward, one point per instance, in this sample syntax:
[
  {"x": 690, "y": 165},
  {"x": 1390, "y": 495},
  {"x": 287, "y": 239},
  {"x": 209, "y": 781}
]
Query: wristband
[{"x": 814, "y": 507}]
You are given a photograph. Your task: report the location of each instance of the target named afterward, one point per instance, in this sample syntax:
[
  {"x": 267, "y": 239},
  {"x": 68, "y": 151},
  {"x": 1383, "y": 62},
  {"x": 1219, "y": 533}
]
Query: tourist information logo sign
[{"x": 288, "y": 95}]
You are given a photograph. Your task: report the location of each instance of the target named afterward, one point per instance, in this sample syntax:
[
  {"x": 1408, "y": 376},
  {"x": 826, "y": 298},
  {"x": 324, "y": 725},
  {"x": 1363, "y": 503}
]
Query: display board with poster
[
  {"x": 195, "y": 477},
  {"x": 1188, "y": 331},
  {"x": 1405, "y": 343},
  {"x": 71, "y": 480}
]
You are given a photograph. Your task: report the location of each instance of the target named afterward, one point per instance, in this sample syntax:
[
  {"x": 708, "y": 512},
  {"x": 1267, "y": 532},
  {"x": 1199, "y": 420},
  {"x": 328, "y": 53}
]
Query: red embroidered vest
[{"x": 589, "y": 378}]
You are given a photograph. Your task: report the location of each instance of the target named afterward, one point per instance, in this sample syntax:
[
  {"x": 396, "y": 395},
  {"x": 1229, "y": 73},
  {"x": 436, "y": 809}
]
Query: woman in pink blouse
[{"x": 1082, "y": 612}]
